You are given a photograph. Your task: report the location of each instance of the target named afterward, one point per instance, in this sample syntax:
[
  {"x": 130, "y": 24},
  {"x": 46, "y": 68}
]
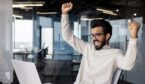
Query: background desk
[{"x": 24, "y": 54}]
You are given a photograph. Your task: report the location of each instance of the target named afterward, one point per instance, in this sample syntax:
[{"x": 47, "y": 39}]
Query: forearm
[
  {"x": 67, "y": 33},
  {"x": 127, "y": 62},
  {"x": 68, "y": 36},
  {"x": 130, "y": 57}
]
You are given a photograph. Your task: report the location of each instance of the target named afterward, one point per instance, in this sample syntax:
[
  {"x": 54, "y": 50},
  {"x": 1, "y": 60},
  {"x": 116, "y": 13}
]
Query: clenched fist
[
  {"x": 134, "y": 28},
  {"x": 66, "y": 7}
]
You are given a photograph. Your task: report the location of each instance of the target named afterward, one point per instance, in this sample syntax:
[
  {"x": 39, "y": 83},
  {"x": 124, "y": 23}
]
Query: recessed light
[
  {"x": 135, "y": 14},
  {"x": 117, "y": 10}
]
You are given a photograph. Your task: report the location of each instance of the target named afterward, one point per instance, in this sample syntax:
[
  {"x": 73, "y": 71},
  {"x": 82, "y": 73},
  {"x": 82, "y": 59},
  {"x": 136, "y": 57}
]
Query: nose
[{"x": 96, "y": 37}]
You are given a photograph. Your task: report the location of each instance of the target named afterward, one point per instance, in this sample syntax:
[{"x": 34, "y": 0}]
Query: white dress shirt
[{"x": 98, "y": 66}]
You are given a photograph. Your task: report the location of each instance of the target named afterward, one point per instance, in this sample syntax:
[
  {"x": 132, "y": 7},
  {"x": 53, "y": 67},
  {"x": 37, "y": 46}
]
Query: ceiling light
[
  {"x": 18, "y": 6},
  {"x": 27, "y": 4},
  {"x": 45, "y": 13},
  {"x": 135, "y": 14},
  {"x": 129, "y": 20},
  {"x": 17, "y": 16},
  {"x": 88, "y": 19},
  {"x": 27, "y": 8},
  {"x": 104, "y": 10},
  {"x": 117, "y": 10},
  {"x": 110, "y": 13}
]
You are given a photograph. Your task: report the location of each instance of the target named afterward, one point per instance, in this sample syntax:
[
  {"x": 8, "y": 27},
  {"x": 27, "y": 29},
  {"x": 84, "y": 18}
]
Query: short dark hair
[{"x": 107, "y": 28}]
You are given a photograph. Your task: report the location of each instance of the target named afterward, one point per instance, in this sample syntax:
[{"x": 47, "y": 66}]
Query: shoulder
[
  {"x": 89, "y": 48},
  {"x": 116, "y": 51}
]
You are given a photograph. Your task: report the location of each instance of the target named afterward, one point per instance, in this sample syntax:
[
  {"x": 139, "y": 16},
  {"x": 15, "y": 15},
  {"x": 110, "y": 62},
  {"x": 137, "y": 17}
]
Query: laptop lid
[{"x": 26, "y": 72}]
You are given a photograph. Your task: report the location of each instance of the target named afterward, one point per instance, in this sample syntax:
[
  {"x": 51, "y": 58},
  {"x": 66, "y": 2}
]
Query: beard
[{"x": 99, "y": 44}]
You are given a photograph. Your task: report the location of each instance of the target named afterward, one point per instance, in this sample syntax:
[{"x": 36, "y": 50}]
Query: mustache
[{"x": 95, "y": 40}]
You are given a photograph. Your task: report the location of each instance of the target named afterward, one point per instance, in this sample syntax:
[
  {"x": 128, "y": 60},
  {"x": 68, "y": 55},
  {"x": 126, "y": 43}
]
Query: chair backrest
[
  {"x": 116, "y": 76},
  {"x": 26, "y": 72}
]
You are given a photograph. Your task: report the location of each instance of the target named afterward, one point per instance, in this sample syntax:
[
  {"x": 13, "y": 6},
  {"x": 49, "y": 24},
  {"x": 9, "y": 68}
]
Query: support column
[{"x": 5, "y": 41}]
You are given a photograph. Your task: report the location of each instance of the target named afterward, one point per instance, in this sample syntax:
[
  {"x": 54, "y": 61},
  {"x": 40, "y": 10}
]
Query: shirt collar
[{"x": 106, "y": 47}]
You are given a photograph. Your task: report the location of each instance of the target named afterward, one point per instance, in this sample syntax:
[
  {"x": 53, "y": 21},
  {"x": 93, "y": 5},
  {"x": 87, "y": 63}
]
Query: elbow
[
  {"x": 128, "y": 68},
  {"x": 67, "y": 35},
  {"x": 129, "y": 64},
  {"x": 66, "y": 38}
]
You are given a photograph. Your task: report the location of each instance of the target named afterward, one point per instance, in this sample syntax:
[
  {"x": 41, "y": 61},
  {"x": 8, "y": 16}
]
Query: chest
[{"x": 100, "y": 59}]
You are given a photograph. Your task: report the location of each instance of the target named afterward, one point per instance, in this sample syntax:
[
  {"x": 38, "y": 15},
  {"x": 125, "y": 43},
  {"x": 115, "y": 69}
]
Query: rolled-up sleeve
[
  {"x": 127, "y": 62},
  {"x": 68, "y": 36}
]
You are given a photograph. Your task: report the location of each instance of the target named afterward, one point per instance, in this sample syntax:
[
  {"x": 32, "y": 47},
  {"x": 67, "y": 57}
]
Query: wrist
[
  {"x": 64, "y": 13},
  {"x": 134, "y": 37}
]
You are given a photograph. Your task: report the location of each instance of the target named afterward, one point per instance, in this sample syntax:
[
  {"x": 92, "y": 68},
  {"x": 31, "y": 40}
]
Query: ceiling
[{"x": 88, "y": 7}]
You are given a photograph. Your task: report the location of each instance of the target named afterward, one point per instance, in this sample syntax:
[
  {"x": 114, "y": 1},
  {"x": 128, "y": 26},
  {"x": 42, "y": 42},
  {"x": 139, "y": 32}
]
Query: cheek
[{"x": 102, "y": 39}]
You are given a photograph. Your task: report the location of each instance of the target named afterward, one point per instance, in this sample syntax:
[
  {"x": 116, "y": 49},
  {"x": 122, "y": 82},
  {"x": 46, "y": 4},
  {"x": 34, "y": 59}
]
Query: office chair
[{"x": 116, "y": 76}]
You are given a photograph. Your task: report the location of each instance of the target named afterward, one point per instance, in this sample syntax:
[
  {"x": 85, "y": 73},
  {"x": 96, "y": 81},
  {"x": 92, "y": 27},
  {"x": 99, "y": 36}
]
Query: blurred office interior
[{"x": 30, "y": 30}]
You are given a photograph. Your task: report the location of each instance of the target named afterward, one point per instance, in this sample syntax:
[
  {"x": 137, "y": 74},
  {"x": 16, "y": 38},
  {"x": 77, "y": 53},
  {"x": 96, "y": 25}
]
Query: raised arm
[
  {"x": 67, "y": 33},
  {"x": 127, "y": 62}
]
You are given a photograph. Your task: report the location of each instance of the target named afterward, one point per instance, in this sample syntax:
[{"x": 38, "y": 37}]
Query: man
[{"x": 99, "y": 60}]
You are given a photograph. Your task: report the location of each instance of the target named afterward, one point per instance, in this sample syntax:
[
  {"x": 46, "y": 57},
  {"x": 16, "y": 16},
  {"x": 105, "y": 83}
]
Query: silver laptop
[{"x": 26, "y": 72}]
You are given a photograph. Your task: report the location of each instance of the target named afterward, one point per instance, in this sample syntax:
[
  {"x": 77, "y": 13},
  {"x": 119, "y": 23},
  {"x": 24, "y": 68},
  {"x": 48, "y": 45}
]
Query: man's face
[{"x": 98, "y": 37}]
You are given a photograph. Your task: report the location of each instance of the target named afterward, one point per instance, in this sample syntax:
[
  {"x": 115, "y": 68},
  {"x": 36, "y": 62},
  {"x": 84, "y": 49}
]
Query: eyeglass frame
[{"x": 96, "y": 34}]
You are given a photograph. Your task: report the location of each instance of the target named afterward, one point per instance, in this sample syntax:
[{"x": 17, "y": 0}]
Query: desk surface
[
  {"x": 24, "y": 54},
  {"x": 76, "y": 61}
]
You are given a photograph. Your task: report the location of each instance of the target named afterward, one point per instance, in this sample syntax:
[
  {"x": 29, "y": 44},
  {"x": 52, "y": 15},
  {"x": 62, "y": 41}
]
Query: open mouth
[{"x": 96, "y": 43}]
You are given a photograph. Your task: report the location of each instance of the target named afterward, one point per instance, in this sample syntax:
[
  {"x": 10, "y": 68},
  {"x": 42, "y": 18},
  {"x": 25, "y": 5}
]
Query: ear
[{"x": 107, "y": 36}]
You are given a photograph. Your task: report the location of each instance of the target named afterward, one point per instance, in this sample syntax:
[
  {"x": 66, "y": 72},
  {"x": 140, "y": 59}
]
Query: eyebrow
[{"x": 98, "y": 33}]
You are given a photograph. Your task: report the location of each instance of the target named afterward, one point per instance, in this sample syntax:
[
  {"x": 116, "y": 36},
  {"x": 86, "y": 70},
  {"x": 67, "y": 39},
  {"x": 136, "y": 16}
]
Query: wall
[
  {"x": 5, "y": 41},
  {"x": 137, "y": 74}
]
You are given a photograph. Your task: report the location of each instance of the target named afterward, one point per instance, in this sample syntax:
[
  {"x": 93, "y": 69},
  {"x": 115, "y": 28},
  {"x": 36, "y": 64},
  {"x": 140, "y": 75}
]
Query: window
[
  {"x": 47, "y": 39},
  {"x": 23, "y": 34}
]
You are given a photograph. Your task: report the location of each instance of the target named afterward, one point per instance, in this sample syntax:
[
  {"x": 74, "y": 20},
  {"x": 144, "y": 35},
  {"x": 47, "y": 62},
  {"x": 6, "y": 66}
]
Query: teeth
[{"x": 96, "y": 43}]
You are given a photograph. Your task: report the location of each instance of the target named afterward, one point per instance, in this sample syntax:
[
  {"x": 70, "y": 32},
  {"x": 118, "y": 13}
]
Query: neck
[{"x": 107, "y": 43}]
